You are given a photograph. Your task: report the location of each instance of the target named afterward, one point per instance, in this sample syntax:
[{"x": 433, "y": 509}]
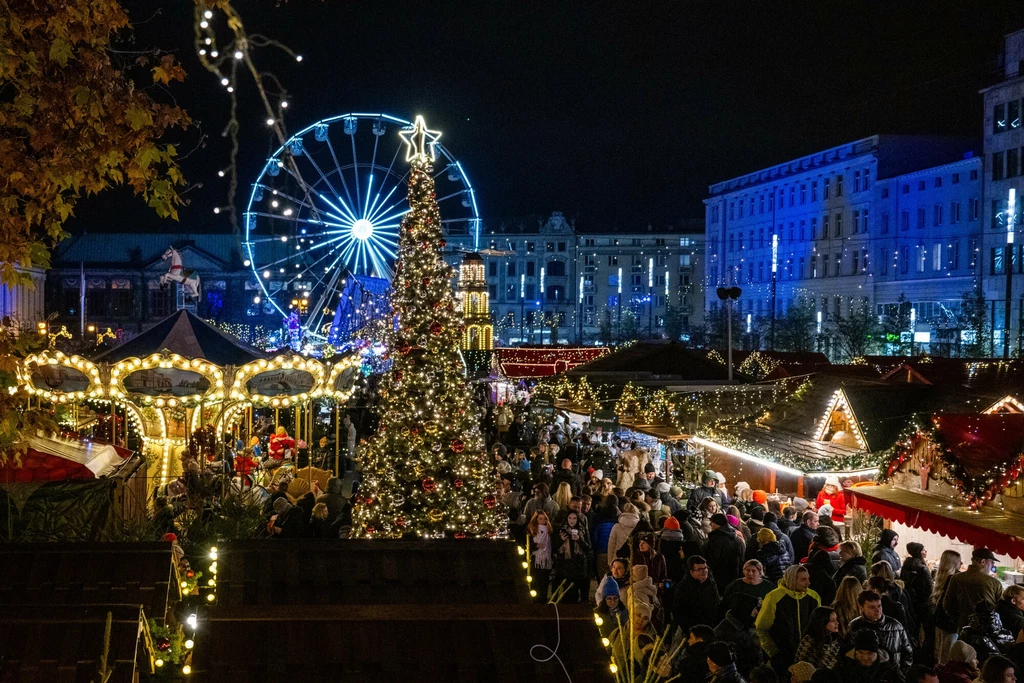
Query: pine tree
[{"x": 425, "y": 471}]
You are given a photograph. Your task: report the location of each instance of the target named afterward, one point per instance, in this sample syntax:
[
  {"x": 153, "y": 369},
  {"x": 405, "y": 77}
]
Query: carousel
[{"x": 187, "y": 395}]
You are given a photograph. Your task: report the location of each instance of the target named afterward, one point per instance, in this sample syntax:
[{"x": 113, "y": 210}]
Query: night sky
[{"x": 618, "y": 113}]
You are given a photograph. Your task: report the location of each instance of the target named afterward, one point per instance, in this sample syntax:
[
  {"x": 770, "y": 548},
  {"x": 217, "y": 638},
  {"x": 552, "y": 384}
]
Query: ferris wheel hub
[{"x": 362, "y": 229}]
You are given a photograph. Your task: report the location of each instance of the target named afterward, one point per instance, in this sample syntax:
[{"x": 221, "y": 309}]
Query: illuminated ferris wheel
[{"x": 323, "y": 217}]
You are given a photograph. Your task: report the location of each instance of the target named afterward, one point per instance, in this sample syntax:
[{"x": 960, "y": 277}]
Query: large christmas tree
[{"x": 425, "y": 471}]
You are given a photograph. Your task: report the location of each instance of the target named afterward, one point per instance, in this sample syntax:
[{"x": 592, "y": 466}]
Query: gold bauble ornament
[{"x": 435, "y": 515}]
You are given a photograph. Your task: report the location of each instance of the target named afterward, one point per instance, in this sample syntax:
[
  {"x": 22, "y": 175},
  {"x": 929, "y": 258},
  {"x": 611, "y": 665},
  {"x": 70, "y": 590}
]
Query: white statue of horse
[{"x": 176, "y": 273}]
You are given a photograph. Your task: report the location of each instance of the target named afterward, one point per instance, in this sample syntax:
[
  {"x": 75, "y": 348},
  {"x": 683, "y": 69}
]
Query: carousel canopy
[{"x": 186, "y": 335}]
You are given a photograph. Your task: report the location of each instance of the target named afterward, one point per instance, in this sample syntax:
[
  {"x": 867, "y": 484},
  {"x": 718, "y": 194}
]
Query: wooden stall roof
[
  {"x": 452, "y": 643},
  {"x": 656, "y": 362},
  {"x": 65, "y": 643},
  {"x": 37, "y": 574},
  {"x": 313, "y": 572}
]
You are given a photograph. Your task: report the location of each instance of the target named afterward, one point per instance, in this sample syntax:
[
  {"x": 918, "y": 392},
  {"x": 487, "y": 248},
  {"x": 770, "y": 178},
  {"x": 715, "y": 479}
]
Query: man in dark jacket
[
  {"x": 985, "y": 632},
  {"x": 334, "y": 499},
  {"x": 755, "y": 524},
  {"x": 665, "y": 494},
  {"x": 771, "y": 522},
  {"x": 891, "y": 635},
  {"x": 737, "y": 629},
  {"x": 708, "y": 490},
  {"x": 696, "y": 598},
  {"x": 802, "y": 535},
  {"x": 867, "y": 662},
  {"x": 724, "y": 551},
  {"x": 722, "y": 664},
  {"x": 568, "y": 476},
  {"x": 966, "y": 589},
  {"x": 885, "y": 551}
]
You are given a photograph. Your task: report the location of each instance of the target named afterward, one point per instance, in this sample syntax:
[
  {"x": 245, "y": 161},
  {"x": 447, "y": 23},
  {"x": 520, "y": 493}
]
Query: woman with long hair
[
  {"x": 945, "y": 627},
  {"x": 820, "y": 644},
  {"x": 998, "y": 669},
  {"x": 845, "y": 604},
  {"x": 571, "y": 548},
  {"x": 539, "y": 532},
  {"x": 563, "y": 494}
]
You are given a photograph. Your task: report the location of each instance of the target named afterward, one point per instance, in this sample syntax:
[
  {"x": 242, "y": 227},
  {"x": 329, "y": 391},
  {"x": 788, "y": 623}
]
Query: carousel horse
[{"x": 188, "y": 279}]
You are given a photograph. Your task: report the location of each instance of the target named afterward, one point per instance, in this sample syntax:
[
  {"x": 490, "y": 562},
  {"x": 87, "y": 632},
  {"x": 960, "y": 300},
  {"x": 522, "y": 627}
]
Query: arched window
[
  {"x": 556, "y": 293},
  {"x": 556, "y": 268}
]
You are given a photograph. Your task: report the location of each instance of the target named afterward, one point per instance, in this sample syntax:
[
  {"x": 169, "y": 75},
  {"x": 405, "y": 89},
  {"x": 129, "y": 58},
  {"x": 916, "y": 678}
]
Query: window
[
  {"x": 214, "y": 302},
  {"x": 856, "y": 217},
  {"x": 555, "y": 293},
  {"x": 792, "y": 195},
  {"x": 864, "y": 222},
  {"x": 955, "y": 179},
  {"x": 921, "y": 217},
  {"x": 760, "y": 272},
  {"x": 954, "y": 213},
  {"x": 998, "y": 166},
  {"x": 885, "y": 193},
  {"x": 750, "y": 243},
  {"x": 760, "y": 204},
  {"x": 550, "y": 246},
  {"x": 492, "y": 269},
  {"x": 1012, "y": 162},
  {"x": 885, "y": 224},
  {"x": 904, "y": 260},
  {"x": 974, "y": 174},
  {"x": 800, "y": 273},
  {"x": 121, "y": 301},
  {"x": 999, "y": 122},
  {"x": 905, "y": 189},
  {"x": 814, "y": 228},
  {"x": 864, "y": 260},
  {"x": 556, "y": 268},
  {"x": 814, "y": 190},
  {"x": 827, "y": 184},
  {"x": 760, "y": 237},
  {"x": 996, "y": 261},
  {"x": 161, "y": 301},
  {"x": 803, "y": 194},
  {"x": 839, "y": 185},
  {"x": 839, "y": 223},
  {"x": 803, "y": 228},
  {"x": 973, "y": 207},
  {"x": 791, "y": 231},
  {"x": 937, "y": 182},
  {"x": 492, "y": 292},
  {"x": 561, "y": 246},
  {"x": 920, "y": 185},
  {"x": 1013, "y": 113},
  {"x": 637, "y": 280},
  {"x": 824, "y": 265},
  {"x": 936, "y": 257},
  {"x": 587, "y": 242},
  {"x": 937, "y": 215},
  {"x": 856, "y": 262},
  {"x": 531, "y": 268},
  {"x": 839, "y": 265},
  {"x": 510, "y": 267},
  {"x": 884, "y": 260},
  {"x": 905, "y": 221},
  {"x": 953, "y": 255},
  {"x": 856, "y": 181},
  {"x": 867, "y": 176},
  {"x": 613, "y": 259},
  {"x": 590, "y": 260},
  {"x": 824, "y": 227},
  {"x": 530, "y": 246}
]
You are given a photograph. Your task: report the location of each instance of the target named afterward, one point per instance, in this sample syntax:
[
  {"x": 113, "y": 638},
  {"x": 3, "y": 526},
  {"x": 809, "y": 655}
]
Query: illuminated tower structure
[{"x": 473, "y": 300}]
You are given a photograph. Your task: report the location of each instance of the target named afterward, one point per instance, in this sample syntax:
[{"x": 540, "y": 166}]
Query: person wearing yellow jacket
[{"x": 784, "y": 616}]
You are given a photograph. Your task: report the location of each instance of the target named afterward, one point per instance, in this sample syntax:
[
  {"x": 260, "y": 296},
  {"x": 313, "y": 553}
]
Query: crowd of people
[{"x": 746, "y": 587}]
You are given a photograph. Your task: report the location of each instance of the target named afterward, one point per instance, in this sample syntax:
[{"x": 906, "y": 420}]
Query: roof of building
[
  {"x": 665, "y": 362},
  {"x": 976, "y": 382},
  {"x": 66, "y": 643},
  {"x": 186, "y": 335},
  {"x": 79, "y": 574},
  {"x": 141, "y": 249},
  {"x": 980, "y": 442}
]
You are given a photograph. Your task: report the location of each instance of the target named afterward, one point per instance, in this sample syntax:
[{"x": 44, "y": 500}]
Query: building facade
[
  {"x": 851, "y": 228},
  {"x": 1003, "y": 137},
  {"x": 474, "y": 303},
  {"x": 547, "y": 277}
]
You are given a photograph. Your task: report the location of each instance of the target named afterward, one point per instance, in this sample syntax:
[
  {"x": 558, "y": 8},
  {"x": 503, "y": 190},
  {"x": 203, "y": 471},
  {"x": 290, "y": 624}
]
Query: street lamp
[
  {"x": 650, "y": 298},
  {"x": 728, "y": 295},
  {"x": 618, "y": 300},
  {"x": 1011, "y": 213},
  {"x": 579, "y": 314},
  {"x": 775, "y": 270}
]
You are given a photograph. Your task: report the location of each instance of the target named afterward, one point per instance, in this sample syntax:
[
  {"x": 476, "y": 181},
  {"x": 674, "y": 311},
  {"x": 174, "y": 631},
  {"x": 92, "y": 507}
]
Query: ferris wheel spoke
[
  {"x": 393, "y": 216},
  {"x": 355, "y": 169},
  {"x": 453, "y": 194},
  {"x": 386, "y": 175},
  {"x": 380, "y": 206},
  {"x": 369, "y": 185},
  {"x": 347, "y": 211},
  {"x": 337, "y": 167},
  {"x": 320, "y": 172},
  {"x": 306, "y": 221}
]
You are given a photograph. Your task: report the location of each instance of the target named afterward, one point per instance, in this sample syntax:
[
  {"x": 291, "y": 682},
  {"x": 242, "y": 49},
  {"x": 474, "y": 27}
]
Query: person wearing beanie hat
[
  {"x": 832, "y": 494},
  {"x": 722, "y": 664},
  {"x": 737, "y": 629},
  {"x": 740, "y": 486},
  {"x": 918, "y": 585},
  {"x": 285, "y": 523},
  {"x": 801, "y": 672},
  {"x": 610, "y": 606},
  {"x": 772, "y": 555},
  {"x": 868, "y": 662},
  {"x": 784, "y": 613},
  {"x": 800, "y": 505},
  {"x": 724, "y": 552},
  {"x": 962, "y": 664},
  {"x": 760, "y": 497},
  {"x": 734, "y": 521},
  {"x": 670, "y": 544},
  {"x": 708, "y": 489}
]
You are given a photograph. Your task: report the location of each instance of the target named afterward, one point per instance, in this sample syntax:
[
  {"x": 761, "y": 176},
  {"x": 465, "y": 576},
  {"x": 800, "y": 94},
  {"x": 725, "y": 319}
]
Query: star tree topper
[{"x": 418, "y": 139}]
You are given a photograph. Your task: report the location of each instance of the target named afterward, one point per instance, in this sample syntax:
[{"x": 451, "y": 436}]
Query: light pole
[
  {"x": 775, "y": 270},
  {"x": 650, "y": 298},
  {"x": 728, "y": 295},
  {"x": 540, "y": 304},
  {"x": 579, "y": 314},
  {"x": 1011, "y": 210},
  {"x": 522, "y": 307},
  {"x": 618, "y": 300}
]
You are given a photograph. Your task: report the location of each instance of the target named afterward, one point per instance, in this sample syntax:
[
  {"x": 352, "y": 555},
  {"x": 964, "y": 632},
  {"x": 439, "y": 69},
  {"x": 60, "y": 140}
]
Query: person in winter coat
[
  {"x": 631, "y": 463},
  {"x": 868, "y": 662},
  {"x": 753, "y": 584},
  {"x": 724, "y": 551},
  {"x": 802, "y": 536},
  {"x": 784, "y": 616},
  {"x": 962, "y": 665},
  {"x": 541, "y": 501},
  {"x": 771, "y": 522},
  {"x": 623, "y": 528},
  {"x": 672, "y": 505},
  {"x": 737, "y": 629},
  {"x": 722, "y": 664},
  {"x": 772, "y": 555},
  {"x": 826, "y": 540},
  {"x": 853, "y": 563},
  {"x": 755, "y": 523},
  {"x": 610, "y": 607},
  {"x": 892, "y": 605},
  {"x": 917, "y": 579},
  {"x": 570, "y": 563},
  {"x": 1011, "y": 609},
  {"x": 646, "y": 555},
  {"x": 821, "y": 641},
  {"x": 542, "y": 547},
  {"x": 708, "y": 490},
  {"x": 832, "y": 494},
  {"x": 641, "y": 588},
  {"x": 566, "y": 475},
  {"x": 886, "y": 550},
  {"x": 670, "y": 543},
  {"x": 334, "y": 499},
  {"x": 618, "y": 569},
  {"x": 693, "y": 537},
  {"x": 696, "y": 597},
  {"x": 890, "y": 633},
  {"x": 605, "y": 517},
  {"x": 984, "y": 631},
  {"x": 966, "y": 589},
  {"x": 821, "y": 569}
]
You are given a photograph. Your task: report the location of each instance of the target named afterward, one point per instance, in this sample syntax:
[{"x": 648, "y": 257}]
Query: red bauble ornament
[
  {"x": 458, "y": 483},
  {"x": 400, "y": 522},
  {"x": 398, "y": 375},
  {"x": 428, "y": 485},
  {"x": 426, "y": 282},
  {"x": 163, "y": 644},
  {"x": 370, "y": 530},
  {"x": 460, "y": 534},
  {"x": 490, "y": 500},
  {"x": 436, "y": 327},
  {"x": 404, "y": 348},
  {"x": 458, "y": 446},
  {"x": 189, "y": 574},
  {"x": 415, "y": 431}
]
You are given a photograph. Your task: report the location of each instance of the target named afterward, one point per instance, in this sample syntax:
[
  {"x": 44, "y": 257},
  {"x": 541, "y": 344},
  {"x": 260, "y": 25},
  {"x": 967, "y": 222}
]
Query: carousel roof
[{"x": 188, "y": 336}]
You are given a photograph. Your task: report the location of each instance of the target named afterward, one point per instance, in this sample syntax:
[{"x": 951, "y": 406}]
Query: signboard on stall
[
  {"x": 605, "y": 420},
  {"x": 166, "y": 382},
  {"x": 545, "y": 403}
]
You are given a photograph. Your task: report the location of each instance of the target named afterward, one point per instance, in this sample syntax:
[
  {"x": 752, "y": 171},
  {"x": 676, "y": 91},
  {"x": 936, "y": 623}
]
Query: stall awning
[{"x": 985, "y": 527}]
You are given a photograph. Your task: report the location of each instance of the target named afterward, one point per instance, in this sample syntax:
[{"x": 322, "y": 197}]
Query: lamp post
[
  {"x": 728, "y": 295},
  {"x": 579, "y": 314},
  {"x": 775, "y": 270},
  {"x": 522, "y": 307},
  {"x": 1011, "y": 212},
  {"x": 540, "y": 304},
  {"x": 618, "y": 300},
  {"x": 650, "y": 298}
]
